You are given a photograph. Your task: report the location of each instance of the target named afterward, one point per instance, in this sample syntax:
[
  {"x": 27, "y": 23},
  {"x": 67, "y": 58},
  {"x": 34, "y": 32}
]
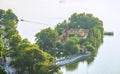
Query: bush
[
  {"x": 90, "y": 48},
  {"x": 2, "y": 71}
]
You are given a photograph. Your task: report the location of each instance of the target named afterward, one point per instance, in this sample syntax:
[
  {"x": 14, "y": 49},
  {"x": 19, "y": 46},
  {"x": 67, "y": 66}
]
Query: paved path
[{"x": 70, "y": 60}]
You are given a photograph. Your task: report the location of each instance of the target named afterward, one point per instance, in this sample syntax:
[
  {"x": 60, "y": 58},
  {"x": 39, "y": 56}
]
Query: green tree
[
  {"x": 14, "y": 40},
  {"x": 8, "y": 25},
  {"x": 28, "y": 57},
  {"x": 95, "y": 37},
  {"x": 72, "y": 66},
  {"x": 85, "y": 21},
  {"x": 1, "y": 13},
  {"x": 71, "y": 46},
  {"x": 60, "y": 27},
  {"x": 47, "y": 38},
  {"x": 1, "y": 47},
  {"x": 90, "y": 48},
  {"x": 20, "y": 46},
  {"x": 9, "y": 20},
  {"x": 82, "y": 20}
]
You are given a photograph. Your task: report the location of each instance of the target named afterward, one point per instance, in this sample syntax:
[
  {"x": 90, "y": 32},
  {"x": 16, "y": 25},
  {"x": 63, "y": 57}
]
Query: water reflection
[
  {"x": 73, "y": 66},
  {"x": 104, "y": 61},
  {"x": 91, "y": 58}
]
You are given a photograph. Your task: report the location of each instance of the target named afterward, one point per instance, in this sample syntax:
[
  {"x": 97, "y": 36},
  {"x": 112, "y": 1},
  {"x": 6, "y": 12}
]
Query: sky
[{"x": 51, "y": 12}]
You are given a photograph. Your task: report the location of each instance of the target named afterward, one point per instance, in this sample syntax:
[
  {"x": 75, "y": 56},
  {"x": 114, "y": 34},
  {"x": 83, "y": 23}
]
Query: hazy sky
[{"x": 53, "y": 11}]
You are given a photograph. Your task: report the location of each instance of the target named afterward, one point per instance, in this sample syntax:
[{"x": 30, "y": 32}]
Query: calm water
[{"x": 107, "y": 60}]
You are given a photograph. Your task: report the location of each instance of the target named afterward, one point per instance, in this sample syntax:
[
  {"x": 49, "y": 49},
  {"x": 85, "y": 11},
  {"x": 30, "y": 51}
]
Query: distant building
[{"x": 79, "y": 32}]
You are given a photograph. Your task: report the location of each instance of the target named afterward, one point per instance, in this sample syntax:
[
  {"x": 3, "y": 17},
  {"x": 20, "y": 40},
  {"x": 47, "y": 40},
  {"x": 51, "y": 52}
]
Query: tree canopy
[
  {"x": 84, "y": 21},
  {"x": 72, "y": 46},
  {"x": 9, "y": 20},
  {"x": 67, "y": 34},
  {"x": 14, "y": 40},
  {"x": 28, "y": 57},
  {"x": 1, "y": 46},
  {"x": 25, "y": 56},
  {"x": 46, "y": 38}
]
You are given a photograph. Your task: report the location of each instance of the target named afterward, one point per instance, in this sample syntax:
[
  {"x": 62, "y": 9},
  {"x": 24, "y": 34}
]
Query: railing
[{"x": 66, "y": 61}]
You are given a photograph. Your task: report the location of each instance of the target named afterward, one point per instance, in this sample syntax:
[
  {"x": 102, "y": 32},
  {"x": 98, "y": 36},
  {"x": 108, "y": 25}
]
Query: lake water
[{"x": 107, "y": 60}]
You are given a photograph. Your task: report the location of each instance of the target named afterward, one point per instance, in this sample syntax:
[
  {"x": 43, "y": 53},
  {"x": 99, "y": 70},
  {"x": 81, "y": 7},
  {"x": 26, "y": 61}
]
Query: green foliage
[
  {"x": 1, "y": 13},
  {"x": 1, "y": 47},
  {"x": 20, "y": 46},
  {"x": 47, "y": 69},
  {"x": 59, "y": 45},
  {"x": 82, "y": 21},
  {"x": 1, "y": 43},
  {"x": 2, "y": 71},
  {"x": 26, "y": 56},
  {"x": 2, "y": 32},
  {"x": 29, "y": 57},
  {"x": 71, "y": 46},
  {"x": 72, "y": 66},
  {"x": 60, "y": 27},
  {"x": 90, "y": 48},
  {"x": 9, "y": 20},
  {"x": 8, "y": 17},
  {"x": 14, "y": 40},
  {"x": 72, "y": 35},
  {"x": 82, "y": 41},
  {"x": 47, "y": 38},
  {"x": 95, "y": 37}
]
